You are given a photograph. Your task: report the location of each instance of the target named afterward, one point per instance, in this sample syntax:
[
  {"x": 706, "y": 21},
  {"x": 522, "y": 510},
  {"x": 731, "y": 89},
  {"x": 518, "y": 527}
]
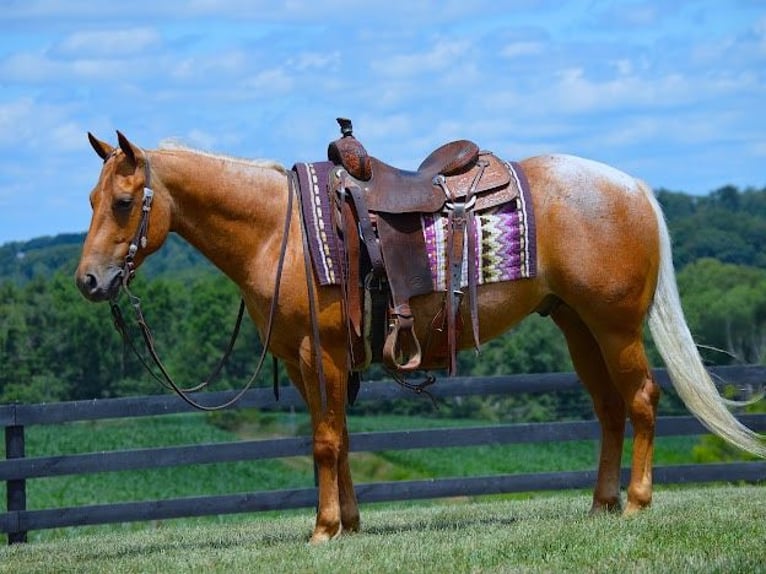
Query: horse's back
[{"x": 597, "y": 231}]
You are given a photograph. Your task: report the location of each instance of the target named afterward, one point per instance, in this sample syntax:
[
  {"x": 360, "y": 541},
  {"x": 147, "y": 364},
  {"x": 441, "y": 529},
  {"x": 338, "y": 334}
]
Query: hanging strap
[
  {"x": 149, "y": 340},
  {"x": 313, "y": 316}
]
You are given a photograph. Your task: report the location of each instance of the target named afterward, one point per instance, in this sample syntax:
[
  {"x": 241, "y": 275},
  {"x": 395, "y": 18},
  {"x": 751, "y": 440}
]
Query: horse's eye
[{"x": 123, "y": 204}]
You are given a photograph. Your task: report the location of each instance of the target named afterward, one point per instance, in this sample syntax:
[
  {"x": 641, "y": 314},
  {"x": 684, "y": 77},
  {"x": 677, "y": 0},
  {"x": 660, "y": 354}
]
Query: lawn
[
  {"x": 294, "y": 472},
  {"x": 703, "y": 529}
]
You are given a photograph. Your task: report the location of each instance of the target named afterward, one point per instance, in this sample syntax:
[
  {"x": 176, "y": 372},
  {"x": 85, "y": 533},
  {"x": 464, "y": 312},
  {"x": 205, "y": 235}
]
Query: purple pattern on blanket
[{"x": 505, "y": 246}]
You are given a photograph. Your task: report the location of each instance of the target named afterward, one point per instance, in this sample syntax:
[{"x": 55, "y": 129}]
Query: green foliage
[
  {"x": 56, "y": 346},
  {"x": 728, "y": 224},
  {"x": 23, "y": 261},
  {"x": 726, "y": 306},
  {"x": 712, "y": 449}
]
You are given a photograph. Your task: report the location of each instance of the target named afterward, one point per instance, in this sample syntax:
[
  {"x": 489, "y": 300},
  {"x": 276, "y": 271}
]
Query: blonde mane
[{"x": 172, "y": 145}]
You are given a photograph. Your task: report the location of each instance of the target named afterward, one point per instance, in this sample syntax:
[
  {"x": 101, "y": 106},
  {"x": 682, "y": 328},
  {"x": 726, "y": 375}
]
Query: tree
[{"x": 725, "y": 306}]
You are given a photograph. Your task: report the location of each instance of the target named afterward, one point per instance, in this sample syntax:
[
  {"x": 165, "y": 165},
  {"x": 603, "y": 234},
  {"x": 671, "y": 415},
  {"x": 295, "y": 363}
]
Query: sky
[{"x": 670, "y": 91}]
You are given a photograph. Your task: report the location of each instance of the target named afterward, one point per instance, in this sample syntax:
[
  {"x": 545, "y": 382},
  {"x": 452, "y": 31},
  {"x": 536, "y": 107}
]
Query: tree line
[{"x": 55, "y": 346}]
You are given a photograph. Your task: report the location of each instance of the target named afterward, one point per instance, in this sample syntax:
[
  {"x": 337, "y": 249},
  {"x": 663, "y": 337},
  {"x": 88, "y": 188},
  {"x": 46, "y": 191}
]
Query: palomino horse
[{"x": 604, "y": 265}]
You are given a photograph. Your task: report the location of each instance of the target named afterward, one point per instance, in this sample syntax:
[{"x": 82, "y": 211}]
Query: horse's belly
[{"x": 500, "y": 306}]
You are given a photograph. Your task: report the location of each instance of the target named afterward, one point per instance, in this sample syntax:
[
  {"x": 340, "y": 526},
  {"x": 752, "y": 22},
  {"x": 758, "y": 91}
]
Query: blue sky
[{"x": 671, "y": 91}]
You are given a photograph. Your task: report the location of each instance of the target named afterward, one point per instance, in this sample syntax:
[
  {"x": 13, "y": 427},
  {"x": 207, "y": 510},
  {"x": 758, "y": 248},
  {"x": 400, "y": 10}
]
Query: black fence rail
[{"x": 17, "y": 469}]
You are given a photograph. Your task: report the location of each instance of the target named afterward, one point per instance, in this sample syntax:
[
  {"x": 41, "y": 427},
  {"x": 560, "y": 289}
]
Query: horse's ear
[
  {"x": 103, "y": 149},
  {"x": 131, "y": 151}
]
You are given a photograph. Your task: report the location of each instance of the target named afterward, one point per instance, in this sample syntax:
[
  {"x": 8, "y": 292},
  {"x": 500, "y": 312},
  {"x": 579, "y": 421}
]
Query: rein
[{"x": 129, "y": 271}]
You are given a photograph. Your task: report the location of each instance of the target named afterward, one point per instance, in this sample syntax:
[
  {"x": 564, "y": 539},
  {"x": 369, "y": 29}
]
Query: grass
[
  {"x": 294, "y": 472},
  {"x": 708, "y": 529}
]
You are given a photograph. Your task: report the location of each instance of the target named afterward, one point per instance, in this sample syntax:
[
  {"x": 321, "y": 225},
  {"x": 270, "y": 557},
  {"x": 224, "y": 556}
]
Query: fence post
[{"x": 16, "y": 490}]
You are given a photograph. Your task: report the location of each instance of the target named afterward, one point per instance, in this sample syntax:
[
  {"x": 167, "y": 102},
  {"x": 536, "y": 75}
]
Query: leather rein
[{"x": 139, "y": 241}]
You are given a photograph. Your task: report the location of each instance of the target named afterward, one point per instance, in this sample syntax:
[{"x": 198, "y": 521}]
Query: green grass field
[
  {"x": 704, "y": 529},
  {"x": 294, "y": 472}
]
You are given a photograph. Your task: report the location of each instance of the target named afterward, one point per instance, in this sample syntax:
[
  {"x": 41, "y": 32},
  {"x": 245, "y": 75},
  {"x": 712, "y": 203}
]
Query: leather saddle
[
  {"x": 389, "y": 189},
  {"x": 378, "y": 217}
]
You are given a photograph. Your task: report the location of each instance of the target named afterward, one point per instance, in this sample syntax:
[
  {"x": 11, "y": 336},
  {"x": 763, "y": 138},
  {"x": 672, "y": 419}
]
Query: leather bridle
[{"x": 139, "y": 241}]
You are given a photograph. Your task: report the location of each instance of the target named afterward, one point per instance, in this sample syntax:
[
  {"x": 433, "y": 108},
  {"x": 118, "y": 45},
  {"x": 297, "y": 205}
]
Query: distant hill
[
  {"x": 728, "y": 224},
  {"x": 20, "y": 261}
]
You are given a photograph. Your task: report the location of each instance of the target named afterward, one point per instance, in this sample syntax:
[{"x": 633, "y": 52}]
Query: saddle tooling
[{"x": 462, "y": 219}]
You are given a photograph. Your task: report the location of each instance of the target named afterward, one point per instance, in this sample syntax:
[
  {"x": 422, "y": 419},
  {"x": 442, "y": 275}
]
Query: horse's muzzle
[{"x": 99, "y": 286}]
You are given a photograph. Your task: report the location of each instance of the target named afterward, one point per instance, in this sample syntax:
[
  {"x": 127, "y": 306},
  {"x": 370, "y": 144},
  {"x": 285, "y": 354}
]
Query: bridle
[
  {"x": 139, "y": 241},
  {"x": 140, "y": 238}
]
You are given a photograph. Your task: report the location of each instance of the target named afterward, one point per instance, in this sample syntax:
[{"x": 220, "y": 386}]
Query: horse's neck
[{"x": 230, "y": 210}]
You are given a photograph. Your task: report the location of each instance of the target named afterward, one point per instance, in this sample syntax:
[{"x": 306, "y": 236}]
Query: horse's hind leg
[
  {"x": 625, "y": 357},
  {"x": 608, "y": 405}
]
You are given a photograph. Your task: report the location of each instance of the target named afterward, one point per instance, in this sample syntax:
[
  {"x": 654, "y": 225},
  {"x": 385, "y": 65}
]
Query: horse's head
[{"x": 121, "y": 234}]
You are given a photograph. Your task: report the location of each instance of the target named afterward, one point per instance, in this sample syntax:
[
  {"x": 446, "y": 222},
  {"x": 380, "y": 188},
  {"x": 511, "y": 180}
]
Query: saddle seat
[
  {"x": 388, "y": 189},
  {"x": 394, "y": 190}
]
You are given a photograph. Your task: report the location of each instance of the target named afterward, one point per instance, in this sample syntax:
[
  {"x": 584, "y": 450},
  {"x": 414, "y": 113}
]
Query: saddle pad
[
  {"x": 313, "y": 181},
  {"x": 505, "y": 251},
  {"x": 506, "y": 246}
]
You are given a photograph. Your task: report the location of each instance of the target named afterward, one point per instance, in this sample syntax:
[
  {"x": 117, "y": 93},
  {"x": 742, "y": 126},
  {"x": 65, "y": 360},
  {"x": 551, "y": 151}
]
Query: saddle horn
[{"x": 350, "y": 153}]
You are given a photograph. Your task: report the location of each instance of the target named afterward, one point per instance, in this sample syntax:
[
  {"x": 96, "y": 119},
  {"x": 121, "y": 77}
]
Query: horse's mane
[{"x": 175, "y": 145}]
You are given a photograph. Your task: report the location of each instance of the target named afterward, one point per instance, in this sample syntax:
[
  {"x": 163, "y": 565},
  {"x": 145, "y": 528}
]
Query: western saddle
[{"x": 386, "y": 262}]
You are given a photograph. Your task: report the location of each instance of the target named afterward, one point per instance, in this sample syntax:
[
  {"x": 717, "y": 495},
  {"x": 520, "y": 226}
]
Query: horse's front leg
[{"x": 337, "y": 508}]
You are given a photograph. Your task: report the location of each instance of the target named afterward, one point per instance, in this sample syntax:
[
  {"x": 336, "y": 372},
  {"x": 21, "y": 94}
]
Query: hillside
[
  {"x": 728, "y": 225},
  {"x": 21, "y": 261}
]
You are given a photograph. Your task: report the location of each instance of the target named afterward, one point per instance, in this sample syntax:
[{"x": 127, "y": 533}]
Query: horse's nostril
[{"x": 88, "y": 283}]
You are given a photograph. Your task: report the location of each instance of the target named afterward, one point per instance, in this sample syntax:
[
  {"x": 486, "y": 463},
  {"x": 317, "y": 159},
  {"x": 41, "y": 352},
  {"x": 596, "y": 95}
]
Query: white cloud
[
  {"x": 66, "y": 136},
  {"x": 520, "y": 49},
  {"x": 229, "y": 63},
  {"x": 577, "y": 93},
  {"x": 269, "y": 83},
  {"x": 633, "y": 84},
  {"x": 442, "y": 55},
  {"x": 41, "y": 69},
  {"x": 115, "y": 42},
  {"x": 321, "y": 61},
  {"x": 28, "y": 67},
  {"x": 758, "y": 149}
]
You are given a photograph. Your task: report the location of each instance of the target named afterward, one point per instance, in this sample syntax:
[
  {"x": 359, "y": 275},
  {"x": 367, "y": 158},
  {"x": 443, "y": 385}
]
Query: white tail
[{"x": 676, "y": 345}]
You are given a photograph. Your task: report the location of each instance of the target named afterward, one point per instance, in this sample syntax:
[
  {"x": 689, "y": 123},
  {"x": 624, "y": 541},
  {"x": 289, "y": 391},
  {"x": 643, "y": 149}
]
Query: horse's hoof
[
  {"x": 606, "y": 507},
  {"x": 350, "y": 526},
  {"x": 322, "y": 536},
  {"x": 634, "y": 509}
]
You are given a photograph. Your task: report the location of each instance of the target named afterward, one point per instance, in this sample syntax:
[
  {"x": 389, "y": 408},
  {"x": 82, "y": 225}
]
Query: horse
[{"x": 604, "y": 266}]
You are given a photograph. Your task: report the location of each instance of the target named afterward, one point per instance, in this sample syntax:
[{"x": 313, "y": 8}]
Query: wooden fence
[{"x": 17, "y": 469}]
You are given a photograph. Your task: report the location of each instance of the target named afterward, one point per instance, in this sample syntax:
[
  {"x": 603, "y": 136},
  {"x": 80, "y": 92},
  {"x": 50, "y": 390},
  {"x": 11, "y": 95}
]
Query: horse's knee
[{"x": 327, "y": 444}]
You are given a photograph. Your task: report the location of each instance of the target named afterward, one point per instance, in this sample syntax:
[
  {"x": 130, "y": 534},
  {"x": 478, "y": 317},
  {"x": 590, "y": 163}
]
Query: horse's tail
[{"x": 679, "y": 352}]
